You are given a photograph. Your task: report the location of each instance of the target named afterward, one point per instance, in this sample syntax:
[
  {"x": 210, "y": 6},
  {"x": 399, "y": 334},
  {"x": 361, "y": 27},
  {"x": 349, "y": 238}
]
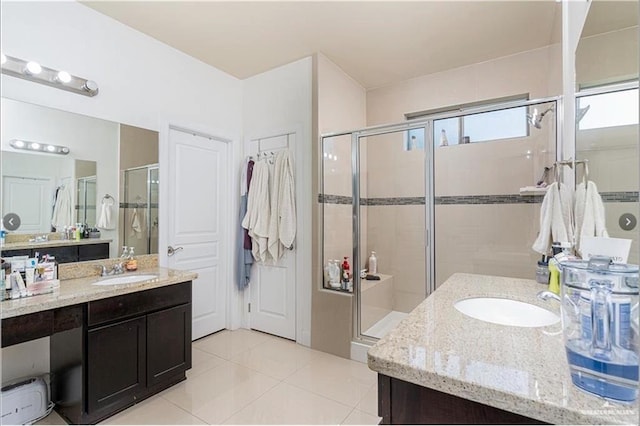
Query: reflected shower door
[{"x": 392, "y": 179}]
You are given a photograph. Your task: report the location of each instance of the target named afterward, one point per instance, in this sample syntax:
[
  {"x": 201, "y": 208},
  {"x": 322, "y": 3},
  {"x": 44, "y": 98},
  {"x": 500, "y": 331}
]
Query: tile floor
[{"x": 248, "y": 377}]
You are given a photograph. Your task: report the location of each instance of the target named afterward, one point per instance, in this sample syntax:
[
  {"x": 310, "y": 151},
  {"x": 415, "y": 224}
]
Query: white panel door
[
  {"x": 198, "y": 223},
  {"x": 272, "y": 286},
  {"x": 31, "y": 199}
]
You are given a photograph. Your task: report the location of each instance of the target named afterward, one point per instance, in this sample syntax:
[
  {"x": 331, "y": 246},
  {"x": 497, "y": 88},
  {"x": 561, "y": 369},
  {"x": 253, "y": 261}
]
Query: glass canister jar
[{"x": 600, "y": 326}]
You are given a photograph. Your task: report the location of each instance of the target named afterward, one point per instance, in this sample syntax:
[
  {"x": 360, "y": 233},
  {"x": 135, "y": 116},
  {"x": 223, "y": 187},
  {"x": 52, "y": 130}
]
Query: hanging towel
[
  {"x": 136, "y": 223},
  {"x": 287, "y": 203},
  {"x": 244, "y": 189},
  {"x": 258, "y": 211},
  {"x": 555, "y": 218},
  {"x": 276, "y": 250},
  {"x": 589, "y": 213},
  {"x": 245, "y": 257},
  {"x": 105, "y": 220},
  {"x": 62, "y": 209}
]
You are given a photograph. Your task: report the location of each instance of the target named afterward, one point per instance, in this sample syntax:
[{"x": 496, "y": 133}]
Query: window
[
  {"x": 608, "y": 110},
  {"x": 485, "y": 126}
]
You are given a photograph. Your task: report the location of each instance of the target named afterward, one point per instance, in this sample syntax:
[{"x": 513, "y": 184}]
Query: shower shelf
[{"x": 532, "y": 190}]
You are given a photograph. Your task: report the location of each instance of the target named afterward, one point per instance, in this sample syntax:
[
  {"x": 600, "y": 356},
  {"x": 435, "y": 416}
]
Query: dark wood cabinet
[
  {"x": 405, "y": 403},
  {"x": 66, "y": 253},
  {"x": 168, "y": 343},
  {"x": 127, "y": 348},
  {"x": 116, "y": 371}
]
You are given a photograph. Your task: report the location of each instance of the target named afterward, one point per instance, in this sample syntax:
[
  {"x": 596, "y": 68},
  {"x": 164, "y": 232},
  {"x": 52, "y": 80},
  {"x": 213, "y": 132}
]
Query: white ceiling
[{"x": 376, "y": 43}]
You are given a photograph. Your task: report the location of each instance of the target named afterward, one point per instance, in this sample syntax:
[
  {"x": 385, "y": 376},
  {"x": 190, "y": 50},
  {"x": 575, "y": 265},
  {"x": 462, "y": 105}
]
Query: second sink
[
  {"x": 506, "y": 312},
  {"x": 126, "y": 279}
]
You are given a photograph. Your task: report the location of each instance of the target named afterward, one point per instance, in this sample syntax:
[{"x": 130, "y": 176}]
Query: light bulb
[
  {"x": 63, "y": 77},
  {"x": 64, "y": 150},
  {"x": 51, "y": 148},
  {"x": 19, "y": 144},
  {"x": 4, "y": 59},
  {"x": 33, "y": 68},
  {"x": 90, "y": 86},
  {"x": 35, "y": 145}
]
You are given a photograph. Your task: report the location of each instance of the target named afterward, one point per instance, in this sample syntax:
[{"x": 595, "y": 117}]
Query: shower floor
[{"x": 386, "y": 324}]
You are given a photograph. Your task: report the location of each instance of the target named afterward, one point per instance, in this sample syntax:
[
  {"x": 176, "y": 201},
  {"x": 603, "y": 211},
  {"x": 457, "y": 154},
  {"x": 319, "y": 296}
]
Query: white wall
[
  {"x": 280, "y": 101},
  {"x": 142, "y": 83}
]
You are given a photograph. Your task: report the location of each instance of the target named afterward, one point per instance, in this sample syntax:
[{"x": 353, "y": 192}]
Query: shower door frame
[{"x": 426, "y": 125}]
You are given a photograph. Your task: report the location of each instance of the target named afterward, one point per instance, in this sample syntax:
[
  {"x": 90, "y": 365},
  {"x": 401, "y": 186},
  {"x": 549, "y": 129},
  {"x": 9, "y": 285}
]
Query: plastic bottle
[
  {"x": 373, "y": 263},
  {"x": 346, "y": 273},
  {"x": 132, "y": 263}
]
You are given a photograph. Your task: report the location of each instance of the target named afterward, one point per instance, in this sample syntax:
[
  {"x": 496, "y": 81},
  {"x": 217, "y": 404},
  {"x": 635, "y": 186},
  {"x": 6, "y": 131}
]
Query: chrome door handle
[{"x": 171, "y": 251}]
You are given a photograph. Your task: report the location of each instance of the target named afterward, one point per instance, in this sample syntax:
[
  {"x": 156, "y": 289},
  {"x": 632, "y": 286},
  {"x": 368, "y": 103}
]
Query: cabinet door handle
[{"x": 171, "y": 251}]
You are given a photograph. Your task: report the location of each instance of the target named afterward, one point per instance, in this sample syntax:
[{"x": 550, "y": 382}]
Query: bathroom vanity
[
  {"x": 110, "y": 345},
  {"x": 440, "y": 366}
]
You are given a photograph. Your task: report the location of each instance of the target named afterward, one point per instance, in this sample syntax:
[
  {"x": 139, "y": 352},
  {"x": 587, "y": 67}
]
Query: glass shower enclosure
[
  {"x": 463, "y": 181},
  {"x": 139, "y": 209}
]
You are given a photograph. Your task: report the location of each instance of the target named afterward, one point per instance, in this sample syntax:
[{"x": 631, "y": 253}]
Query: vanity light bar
[
  {"x": 39, "y": 147},
  {"x": 33, "y": 71}
]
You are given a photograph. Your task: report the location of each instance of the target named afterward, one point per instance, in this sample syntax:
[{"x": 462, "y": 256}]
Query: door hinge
[{"x": 249, "y": 307}]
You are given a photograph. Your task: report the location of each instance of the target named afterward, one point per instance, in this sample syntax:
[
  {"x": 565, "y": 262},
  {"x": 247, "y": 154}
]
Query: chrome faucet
[
  {"x": 117, "y": 269},
  {"x": 546, "y": 295}
]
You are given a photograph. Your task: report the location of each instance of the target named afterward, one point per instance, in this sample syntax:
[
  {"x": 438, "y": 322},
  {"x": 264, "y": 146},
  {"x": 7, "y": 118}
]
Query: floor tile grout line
[
  {"x": 246, "y": 405},
  {"x": 318, "y": 394},
  {"x": 188, "y": 412}
]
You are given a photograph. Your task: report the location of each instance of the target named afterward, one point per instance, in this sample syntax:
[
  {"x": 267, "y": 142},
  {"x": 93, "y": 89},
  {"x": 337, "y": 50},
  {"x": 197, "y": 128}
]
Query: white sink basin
[
  {"x": 506, "y": 312},
  {"x": 126, "y": 279}
]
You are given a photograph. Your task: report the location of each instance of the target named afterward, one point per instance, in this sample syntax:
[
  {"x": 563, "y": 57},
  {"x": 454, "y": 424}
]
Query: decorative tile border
[
  {"x": 138, "y": 205},
  {"x": 619, "y": 197},
  {"x": 607, "y": 197}
]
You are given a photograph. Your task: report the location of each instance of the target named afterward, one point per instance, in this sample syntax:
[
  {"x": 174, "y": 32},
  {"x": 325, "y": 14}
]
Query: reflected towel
[
  {"x": 105, "y": 220},
  {"x": 136, "y": 223}
]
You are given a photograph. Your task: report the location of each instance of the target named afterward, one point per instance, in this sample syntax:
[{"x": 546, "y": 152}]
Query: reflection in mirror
[
  {"x": 608, "y": 48},
  {"x": 607, "y": 137},
  {"x": 86, "y": 192},
  {"x": 99, "y": 151}
]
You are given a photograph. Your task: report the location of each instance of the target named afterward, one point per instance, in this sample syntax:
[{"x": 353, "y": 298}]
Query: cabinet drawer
[
  {"x": 62, "y": 254},
  {"x": 26, "y": 327},
  {"x": 19, "y": 252},
  {"x": 129, "y": 305},
  {"x": 93, "y": 252}
]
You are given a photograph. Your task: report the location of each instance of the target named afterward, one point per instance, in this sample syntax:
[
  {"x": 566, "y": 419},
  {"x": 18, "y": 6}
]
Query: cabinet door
[
  {"x": 93, "y": 252},
  {"x": 115, "y": 364},
  {"x": 168, "y": 343}
]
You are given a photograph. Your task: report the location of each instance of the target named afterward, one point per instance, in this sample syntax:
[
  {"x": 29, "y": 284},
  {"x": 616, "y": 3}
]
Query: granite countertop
[
  {"x": 53, "y": 243},
  {"x": 81, "y": 290},
  {"x": 517, "y": 369}
]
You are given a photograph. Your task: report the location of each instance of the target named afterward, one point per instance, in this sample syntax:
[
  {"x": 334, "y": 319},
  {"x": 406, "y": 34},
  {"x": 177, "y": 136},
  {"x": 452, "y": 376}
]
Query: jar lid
[{"x": 589, "y": 265}]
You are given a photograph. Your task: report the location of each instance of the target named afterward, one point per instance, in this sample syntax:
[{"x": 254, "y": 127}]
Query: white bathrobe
[
  {"x": 556, "y": 222},
  {"x": 62, "y": 209},
  {"x": 282, "y": 224},
  {"x": 287, "y": 203},
  {"x": 589, "y": 213},
  {"x": 259, "y": 210}
]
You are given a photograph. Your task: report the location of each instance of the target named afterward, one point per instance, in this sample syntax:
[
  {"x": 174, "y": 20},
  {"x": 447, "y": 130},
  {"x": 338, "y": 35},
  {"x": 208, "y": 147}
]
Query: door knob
[{"x": 171, "y": 251}]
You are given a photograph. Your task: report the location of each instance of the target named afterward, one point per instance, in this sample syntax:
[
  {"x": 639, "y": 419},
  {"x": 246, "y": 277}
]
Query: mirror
[
  {"x": 100, "y": 155},
  {"x": 607, "y": 119}
]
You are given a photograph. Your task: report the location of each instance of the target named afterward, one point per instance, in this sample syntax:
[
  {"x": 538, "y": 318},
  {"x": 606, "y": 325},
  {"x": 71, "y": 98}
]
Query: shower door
[{"x": 391, "y": 216}]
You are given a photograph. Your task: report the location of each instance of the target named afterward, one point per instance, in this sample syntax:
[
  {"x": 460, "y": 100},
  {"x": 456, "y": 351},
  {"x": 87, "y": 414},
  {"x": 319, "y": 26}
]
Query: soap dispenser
[{"x": 132, "y": 263}]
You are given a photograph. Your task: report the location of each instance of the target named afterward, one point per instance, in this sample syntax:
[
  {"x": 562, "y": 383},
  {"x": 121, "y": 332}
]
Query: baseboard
[{"x": 359, "y": 352}]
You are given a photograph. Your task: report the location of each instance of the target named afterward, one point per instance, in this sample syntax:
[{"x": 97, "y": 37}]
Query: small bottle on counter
[{"x": 132, "y": 263}]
